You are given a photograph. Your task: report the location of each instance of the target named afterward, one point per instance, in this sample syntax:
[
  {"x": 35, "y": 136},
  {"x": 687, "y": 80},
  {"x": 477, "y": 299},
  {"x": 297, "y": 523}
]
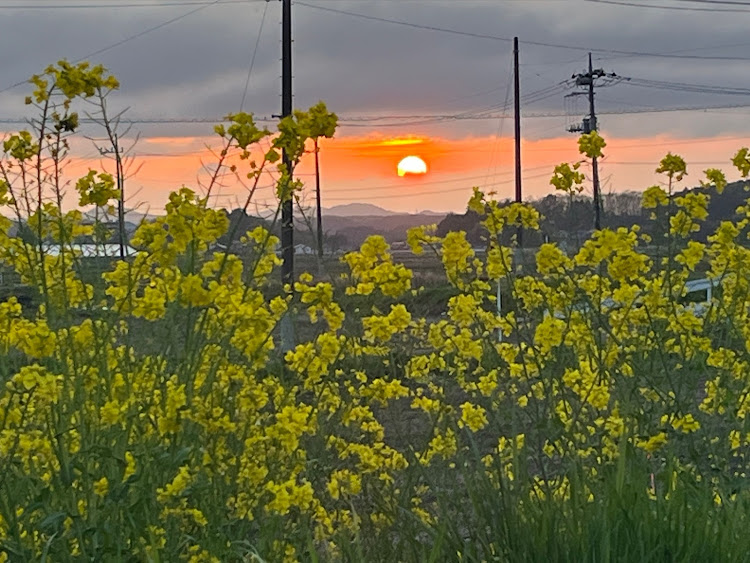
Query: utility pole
[
  {"x": 121, "y": 199},
  {"x": 588, "y": 79},
  {"x": 517, "y": 100},
  {"x": 519, "y": 193},
  {"x": 120, "y": 178},
  {"x": 287, "y": 209},
  {"x": 594, "y": 163},
  {"x": 319, "y": 205}
]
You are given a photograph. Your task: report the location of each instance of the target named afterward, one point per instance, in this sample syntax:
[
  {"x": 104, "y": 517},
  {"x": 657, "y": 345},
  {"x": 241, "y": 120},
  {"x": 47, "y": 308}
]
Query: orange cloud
[
  {"x": 401, "y": 142},
  {"x": 364, "y": 168}
]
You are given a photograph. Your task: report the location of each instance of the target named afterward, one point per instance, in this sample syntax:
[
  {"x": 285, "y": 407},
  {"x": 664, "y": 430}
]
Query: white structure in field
[
  {"x": 705, "y": 284},
  {"x": 107, "y": 250}
]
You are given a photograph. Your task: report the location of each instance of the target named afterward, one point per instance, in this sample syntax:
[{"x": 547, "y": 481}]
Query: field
[{"x": 152, "y": 409}]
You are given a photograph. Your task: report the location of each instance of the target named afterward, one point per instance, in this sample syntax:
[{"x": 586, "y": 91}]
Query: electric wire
[
  {"x": 716, "y": 2},
  {"x": 406, "y": 120},
  {"x": 667, "y": 7},
  {"x": 509, "y": 39},
  {"x": 485, "y": 113},
  {"x": 252, "y": 59},
  {"x": 112, "y": 5},
  {"x": 148, "y": 30},
  {"x": 130, "y": 38},
  {"x": 438, "y": 192},
  {"x": 499, "y": 134},
  {"x": 400, "y": 186},
  {"x": 687, "y": 87}
]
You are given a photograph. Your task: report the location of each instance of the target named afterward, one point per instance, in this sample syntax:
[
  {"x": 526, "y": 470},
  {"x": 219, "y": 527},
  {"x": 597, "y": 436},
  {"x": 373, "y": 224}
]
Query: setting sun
[{"x": 412, "y": 165}]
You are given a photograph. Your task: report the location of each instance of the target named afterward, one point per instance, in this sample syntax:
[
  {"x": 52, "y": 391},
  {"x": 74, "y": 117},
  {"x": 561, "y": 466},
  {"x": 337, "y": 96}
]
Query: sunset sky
[{"x": 407, "y": 77}]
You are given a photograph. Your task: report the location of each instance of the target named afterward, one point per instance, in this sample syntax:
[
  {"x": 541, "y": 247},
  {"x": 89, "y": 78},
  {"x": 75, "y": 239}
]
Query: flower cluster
[{"x": 149, "y": 411}]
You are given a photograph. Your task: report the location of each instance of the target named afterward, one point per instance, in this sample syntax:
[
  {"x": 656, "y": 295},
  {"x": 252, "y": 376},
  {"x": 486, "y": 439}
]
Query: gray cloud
[{"x": 196, "y": 67}]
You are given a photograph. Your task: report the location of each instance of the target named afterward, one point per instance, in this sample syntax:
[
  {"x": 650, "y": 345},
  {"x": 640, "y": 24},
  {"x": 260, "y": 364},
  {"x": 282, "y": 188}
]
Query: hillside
[
  {"x": 572, "y": 224},
  {"x": 347, "y": 226},
  {"x": 354, "y": 230},
  {"x": 357, "y": 210}
]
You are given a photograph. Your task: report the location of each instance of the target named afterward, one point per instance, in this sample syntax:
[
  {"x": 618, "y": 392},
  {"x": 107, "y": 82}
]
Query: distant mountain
[
  {"x": 137, "y": 217},
  {"x": 358, "y": 210}
]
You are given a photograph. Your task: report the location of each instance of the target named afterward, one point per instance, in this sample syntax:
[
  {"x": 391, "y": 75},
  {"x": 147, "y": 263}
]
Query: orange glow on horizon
[
  {"x": 172, "y": 140},
  {"x": 361, "y": 168}
]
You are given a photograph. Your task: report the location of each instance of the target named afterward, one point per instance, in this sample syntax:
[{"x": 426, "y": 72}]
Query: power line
[
  {"x": 489, "y": 112},
  {"x": 666, "y": 7},
  {"x": 149, "y": 30},
  {"x": 131, "y": 37},
  {"x": 146, "y": 4},
  {"x": 639, "y": 145},
  {"x": 482, "y": 113},
  {"x": 530, "y": 98},
  {"x": 111, "y": 5},
  {"x": 715, "y": 2},
  {"x": 700, "y": 141},
  {"x": 688, "y": 87},
  {"x": 437, "y": 192},
  {"x": 370, "y": 121},
  {"x": 400, "y": 186},
  {"x": 548, "y": 167},
  {"x": 508, "y": 39},
  {"x": 364, "y": 122},
  {"x": 255, "y": 52},
  {"x": 624, "y": 111},
  {"x": 499, "y": 134},
  {"x": 404, "y": 23},
  {"x": 200, "y": 5},
  {"x": 688, "y": 50}
]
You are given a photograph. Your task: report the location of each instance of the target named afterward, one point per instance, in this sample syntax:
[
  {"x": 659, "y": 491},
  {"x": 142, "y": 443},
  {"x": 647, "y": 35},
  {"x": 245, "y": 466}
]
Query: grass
[{"x": 476, "y": 523}]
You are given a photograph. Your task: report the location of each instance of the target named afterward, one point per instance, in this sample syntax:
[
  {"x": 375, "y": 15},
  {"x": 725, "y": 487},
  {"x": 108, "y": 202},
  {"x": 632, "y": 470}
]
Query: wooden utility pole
[
  {"x": 120, "y": 199},
  {"x": 517, "y": 100},
  {"x": 588, "y": 79},
  {"x": 120, "y": 179},
  {"x": 594, "y": 163},
  {"x": 287, "y": 209},
  {"x": 319, "y": 205}
]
